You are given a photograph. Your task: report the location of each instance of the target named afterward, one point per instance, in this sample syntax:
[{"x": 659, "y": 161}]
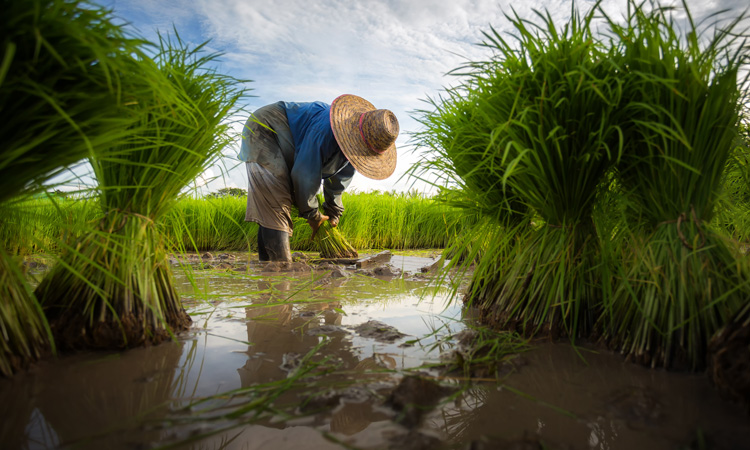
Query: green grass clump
[
  {"x": 333, "y": 244},
  {"x": 59, "y": 102},
  {"x": 552, "y": 100},
  {"x": 113, "y": 287},
  {"x": 680, "y": 279},
  {"x": 617, "y": 146}
]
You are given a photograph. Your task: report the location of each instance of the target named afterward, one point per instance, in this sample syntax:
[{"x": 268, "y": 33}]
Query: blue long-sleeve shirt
[
  {"x": 312, "y": 156},
  {"x": 317, "y": 157}
]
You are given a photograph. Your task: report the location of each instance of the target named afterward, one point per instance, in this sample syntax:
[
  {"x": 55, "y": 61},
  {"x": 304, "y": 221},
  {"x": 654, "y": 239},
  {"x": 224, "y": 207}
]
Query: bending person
[{"x": 290, "y": 148}]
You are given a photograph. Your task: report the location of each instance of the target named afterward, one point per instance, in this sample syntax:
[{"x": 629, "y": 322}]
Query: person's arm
[
  {"x": 306, "y": 175},
  {"x": 313, "y": 141},
  {"x": 333, "y": 188}
]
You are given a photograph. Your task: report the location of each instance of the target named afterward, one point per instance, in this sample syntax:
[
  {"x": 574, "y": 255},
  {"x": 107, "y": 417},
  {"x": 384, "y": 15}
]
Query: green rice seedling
[
  {"x": 59, "y": 88},
  {"x": 680, "y": 279},
  {"x": 113, "y": 287},
  {"x": 26, "y": 335},
  {"x": 400, "y": 221},
  {"x": 210, "y": 224},
  {"x": 59, "y": 102},
  {"x": 39, "y": 224},
  {"x": 480, "y": 352},
  {"x": 733, "y": 209},
  {"x": 553, "y": 100},
  {"x": 332, "y": 243},
  {"x": 397, "y": 221},
  {"x": 461, "y": 158},
  {"x": 365, "y": 220}
]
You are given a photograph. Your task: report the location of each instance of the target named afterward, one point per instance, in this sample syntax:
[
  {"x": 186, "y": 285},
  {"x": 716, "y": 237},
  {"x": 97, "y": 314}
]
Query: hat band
[{"x": 362, "y": 134}]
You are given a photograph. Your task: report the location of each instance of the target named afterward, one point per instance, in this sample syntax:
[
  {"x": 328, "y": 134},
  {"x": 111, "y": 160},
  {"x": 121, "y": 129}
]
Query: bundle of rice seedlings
[
  {"x": 461, "y": 138},
  {"x": 58, "y": 104},
  {"x": 733, "y": 210},
  {"x": 333, "y": 244},
  {"x": 462, "y": 158},
  {"x": 113, "y": 288},
  {"x": 680, "y": 280},
  {"x": 552, "y": 99}
]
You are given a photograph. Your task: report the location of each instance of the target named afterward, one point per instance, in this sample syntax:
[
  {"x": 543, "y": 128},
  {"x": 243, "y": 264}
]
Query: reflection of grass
[
  {"x": 481, "y": 352},
  {"x": 541, "y": 402}
]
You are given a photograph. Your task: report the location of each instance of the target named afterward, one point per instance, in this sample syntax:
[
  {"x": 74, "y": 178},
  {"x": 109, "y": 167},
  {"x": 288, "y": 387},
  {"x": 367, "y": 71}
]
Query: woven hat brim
[{"x": 345, "y": 113}]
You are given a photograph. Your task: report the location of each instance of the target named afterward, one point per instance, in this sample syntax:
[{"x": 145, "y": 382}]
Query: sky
[{"x": 394, "y": 53}]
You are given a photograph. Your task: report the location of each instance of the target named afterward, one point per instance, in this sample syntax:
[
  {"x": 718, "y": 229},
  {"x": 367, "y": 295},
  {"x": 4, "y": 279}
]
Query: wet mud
[{"x": 318, "y": 355}]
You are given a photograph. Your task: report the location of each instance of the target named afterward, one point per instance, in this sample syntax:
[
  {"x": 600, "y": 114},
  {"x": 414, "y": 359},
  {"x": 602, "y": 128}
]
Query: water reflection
[
  {"x": 561, "y": 397},
  {"x": 19, "y": 412},
  {"x": 89, "y": 400},
  {"x": 255, "y": 331},
  {"x": 282, "y": 333}
]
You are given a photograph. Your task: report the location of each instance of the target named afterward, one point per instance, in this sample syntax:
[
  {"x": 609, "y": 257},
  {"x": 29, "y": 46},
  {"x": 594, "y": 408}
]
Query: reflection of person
[
  {"x": 279, "y": 331},
  {"x": 290, "y": 147}
]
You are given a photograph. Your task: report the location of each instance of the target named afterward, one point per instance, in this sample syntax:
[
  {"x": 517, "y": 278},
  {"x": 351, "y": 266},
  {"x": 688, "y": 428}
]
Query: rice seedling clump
[
  {"x": 595, "y": 163},
  {"x": 680, "y": 279},
  {"x": 552, "y": 102},
  {"x": 59, "y": 97},
  {"x": 113, "y": 287},
  {"x": 333, "y": 244}
]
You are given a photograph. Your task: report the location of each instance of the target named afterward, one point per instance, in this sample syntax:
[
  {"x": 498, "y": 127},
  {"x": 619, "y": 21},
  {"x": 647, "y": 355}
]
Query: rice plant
[
  {"x": 460, "y": 137},
  {"x": 215, "y": 224},
  {"x": 549, "y": 104},
  {"x": 113, "y": 287},
  {"x": 733, "y": 209},
  {"x": 38, "y": 224},
  {"x": 680, "y": 279},
  {"x": 373, "y": 220},
  {"x": 333, "y": 244},
  {"x": 59, "y": 102}
]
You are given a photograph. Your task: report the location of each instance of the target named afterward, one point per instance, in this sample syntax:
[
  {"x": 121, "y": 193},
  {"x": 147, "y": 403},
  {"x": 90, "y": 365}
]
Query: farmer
[{"x": 288, "y": 148}]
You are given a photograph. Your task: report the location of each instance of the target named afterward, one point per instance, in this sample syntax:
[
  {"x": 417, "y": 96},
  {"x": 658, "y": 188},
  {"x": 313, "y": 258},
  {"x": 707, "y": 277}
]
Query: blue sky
[{"x": 394, "y": 53}]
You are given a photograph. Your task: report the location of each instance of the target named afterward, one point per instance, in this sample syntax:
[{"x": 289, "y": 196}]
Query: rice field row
[{"x": 372, "y": 220}]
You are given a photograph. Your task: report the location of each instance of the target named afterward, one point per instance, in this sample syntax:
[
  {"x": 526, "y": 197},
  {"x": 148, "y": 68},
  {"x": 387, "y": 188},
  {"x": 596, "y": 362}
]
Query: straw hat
[{"x": 366, "y": 135}]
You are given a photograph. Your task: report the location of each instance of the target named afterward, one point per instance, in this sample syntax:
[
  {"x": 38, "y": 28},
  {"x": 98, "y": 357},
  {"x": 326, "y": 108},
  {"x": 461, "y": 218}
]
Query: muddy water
[{"x": 303, "y": 348}]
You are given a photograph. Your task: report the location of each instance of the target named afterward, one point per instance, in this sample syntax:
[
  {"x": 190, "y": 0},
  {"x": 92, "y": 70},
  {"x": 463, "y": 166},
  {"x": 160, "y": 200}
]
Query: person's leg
[
  {"x": 262, "y": 253},
  {"x": 269, "y": 199},
  {"x": 275, "y": 243}
]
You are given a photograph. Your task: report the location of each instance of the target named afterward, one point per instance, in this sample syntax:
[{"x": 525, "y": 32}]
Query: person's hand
[
  {"x": 334, "y": 221},
  {"x": 315, "y": 224}
]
